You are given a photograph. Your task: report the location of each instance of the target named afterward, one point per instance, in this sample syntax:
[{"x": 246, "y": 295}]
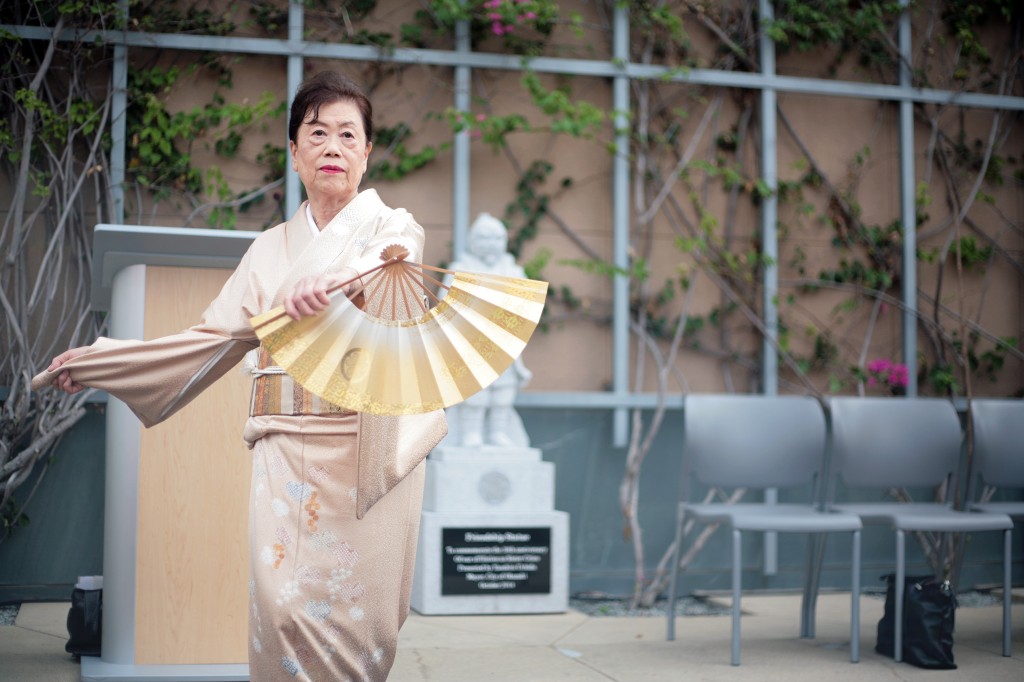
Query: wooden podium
[{"x": 175, "y": 558}]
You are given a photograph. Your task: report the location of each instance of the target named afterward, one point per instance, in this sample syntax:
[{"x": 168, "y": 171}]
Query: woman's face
[{"x": 330, "y": 154}]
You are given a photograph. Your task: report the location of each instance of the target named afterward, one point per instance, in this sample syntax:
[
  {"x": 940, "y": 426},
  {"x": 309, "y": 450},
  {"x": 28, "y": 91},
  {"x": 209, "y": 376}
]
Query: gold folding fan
[{"x": 398, "y": 355}]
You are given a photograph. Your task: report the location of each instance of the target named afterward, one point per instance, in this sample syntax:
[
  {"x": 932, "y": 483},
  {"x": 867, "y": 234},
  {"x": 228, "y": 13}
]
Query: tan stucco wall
[{"x": 575, "y": 354}]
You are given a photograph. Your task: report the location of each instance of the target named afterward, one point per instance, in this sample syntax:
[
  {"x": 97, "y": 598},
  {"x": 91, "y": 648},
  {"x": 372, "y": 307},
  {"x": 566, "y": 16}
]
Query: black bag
[
  {"x": 85, "y": 622},
  {"x": 929, "y": 613}
]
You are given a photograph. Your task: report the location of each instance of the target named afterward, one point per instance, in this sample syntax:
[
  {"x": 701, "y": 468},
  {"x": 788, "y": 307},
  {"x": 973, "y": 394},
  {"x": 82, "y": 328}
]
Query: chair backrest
[
  {"x": 894, "y": 442},
  {"x": 753, "y": 441},
  {"x": 999, "y": 441}
]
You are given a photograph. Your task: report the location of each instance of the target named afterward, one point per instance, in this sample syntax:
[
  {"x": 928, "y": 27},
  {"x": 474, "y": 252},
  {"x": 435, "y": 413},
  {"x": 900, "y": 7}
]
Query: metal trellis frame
[{"x": 620, "y": 399}]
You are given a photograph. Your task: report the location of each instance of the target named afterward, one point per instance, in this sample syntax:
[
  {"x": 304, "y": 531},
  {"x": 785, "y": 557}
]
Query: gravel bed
[
  {"x": 606, "y": 605},
  {"x": 609, "y": 605},
  {"x": 599, "y": 604},
  {"x": 968, "y": 599},
  {"x": 8, "y": 614}
]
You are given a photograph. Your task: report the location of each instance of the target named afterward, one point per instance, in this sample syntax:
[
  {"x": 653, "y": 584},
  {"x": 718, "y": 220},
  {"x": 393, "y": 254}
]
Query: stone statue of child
[{"x": 488, "y": 417}]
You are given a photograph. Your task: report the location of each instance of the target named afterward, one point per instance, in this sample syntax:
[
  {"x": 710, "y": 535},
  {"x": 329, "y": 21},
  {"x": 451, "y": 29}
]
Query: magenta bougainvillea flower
[
  {"x": 898, "y": 376},
  {"x": 893, "y": 375},
  {"x": 506, "y": 15},
  {"x": 879, "y": 366}
]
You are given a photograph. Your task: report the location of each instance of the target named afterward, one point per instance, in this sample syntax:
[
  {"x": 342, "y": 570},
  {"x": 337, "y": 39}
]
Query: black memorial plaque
[{"x": 495, "y": 561}]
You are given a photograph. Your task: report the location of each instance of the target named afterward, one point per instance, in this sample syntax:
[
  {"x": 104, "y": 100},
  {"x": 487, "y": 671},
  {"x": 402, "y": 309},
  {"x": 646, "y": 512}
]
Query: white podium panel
[{"x": 176, "y": 509}]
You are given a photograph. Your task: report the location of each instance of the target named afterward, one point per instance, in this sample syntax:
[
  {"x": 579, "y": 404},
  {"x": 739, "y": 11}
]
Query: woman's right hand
[
  {"x": 309, "y": 296},
  {"x": 64, "y": 382}
]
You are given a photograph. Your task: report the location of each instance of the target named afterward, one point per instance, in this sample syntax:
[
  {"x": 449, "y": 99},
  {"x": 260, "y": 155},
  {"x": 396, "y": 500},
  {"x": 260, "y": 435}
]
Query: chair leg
[
  {"x": 812, "y": 583},
  {"x": 671, "y": 633},
  {"x": 1007, "y": 585},
  {"x": 855, "y": 599},
  {"x": 737, "y": 574},
  {"x": 897, "y": 651}
]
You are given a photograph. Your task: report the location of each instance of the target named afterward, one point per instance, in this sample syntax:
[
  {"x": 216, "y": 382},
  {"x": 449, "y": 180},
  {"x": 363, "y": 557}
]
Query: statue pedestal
[{"x": 490, "y": 538}]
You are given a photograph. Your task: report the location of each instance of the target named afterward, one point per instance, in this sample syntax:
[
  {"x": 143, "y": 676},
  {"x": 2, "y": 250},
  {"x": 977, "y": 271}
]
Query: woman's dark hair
[{"x": 324, "y": 88}]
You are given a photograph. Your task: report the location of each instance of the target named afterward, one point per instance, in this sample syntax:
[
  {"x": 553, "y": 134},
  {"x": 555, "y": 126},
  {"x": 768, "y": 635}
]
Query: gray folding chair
[
  {"x": 758, "y": 442},
  {"x": 998, "y": 462},
  {"x": 890, "y": 443},
  {"x": 998, "y": 452}
]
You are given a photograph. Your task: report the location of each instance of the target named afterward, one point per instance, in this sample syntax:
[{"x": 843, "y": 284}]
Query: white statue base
[
  {"x": 490, "y": 539},
  {"x": 488, "y": 479}
]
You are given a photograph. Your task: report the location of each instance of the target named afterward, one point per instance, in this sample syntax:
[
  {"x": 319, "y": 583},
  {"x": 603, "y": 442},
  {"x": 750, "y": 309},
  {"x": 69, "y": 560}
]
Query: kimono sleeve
[
  {"x": 399, "y": 228},
  {"x": 158, "y": 377}
]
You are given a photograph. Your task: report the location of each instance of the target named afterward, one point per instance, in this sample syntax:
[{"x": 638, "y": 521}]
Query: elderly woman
[{"x": 335, "y": 495}]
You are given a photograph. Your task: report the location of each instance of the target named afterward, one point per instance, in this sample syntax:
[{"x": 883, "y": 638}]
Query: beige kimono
[{"x": 335, "y": 498}]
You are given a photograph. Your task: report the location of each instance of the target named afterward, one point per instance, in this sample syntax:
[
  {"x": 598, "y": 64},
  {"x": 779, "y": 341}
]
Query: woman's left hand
[
  {"x": 310, "y": 296},
  {"x": 63, "y": 381}
]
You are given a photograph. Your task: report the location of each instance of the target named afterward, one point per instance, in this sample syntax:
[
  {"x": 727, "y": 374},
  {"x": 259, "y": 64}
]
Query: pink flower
[
  {"x": 497, "y": 28},
  {"x": 494, "y": 16},
  {"x": 879, "y": 366},
  {"x": 892, "y": 375},
  {"x": 898, "y": 376},
  {"x": 481, "y": 117},
  {"x": 508, "y": 28},
  {"x": 530, "y": 15}
]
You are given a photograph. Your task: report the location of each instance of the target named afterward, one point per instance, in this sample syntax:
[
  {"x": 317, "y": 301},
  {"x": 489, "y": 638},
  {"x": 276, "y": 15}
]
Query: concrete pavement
[{"x": 574, "y": 646}]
